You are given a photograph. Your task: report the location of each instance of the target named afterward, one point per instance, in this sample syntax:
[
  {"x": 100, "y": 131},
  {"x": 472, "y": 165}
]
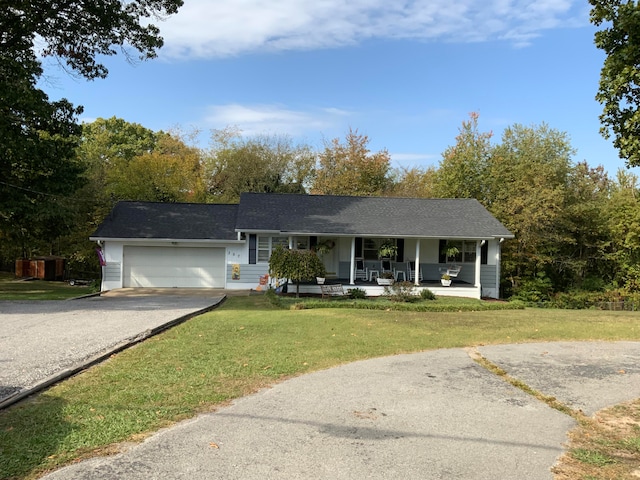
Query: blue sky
[{"x": 405, "y": 73}]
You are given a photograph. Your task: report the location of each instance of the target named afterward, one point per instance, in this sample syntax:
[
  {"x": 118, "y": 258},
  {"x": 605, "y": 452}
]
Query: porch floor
[
  {"x": 365, "y": 283},
  {"x": 457, "y": 289}
]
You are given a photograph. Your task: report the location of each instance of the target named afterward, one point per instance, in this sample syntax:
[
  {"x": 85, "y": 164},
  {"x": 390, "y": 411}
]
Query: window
[
  {"x": 302, "y": 243},
  {"x": 469, "y": 251},
  {"x": 371, "y": 246},
  {"x": 267, "y": 244},
  {"x": 466, "y": 251}
]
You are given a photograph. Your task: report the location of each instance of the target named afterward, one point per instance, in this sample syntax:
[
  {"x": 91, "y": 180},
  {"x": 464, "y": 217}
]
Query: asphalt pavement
[
  {"x": 45, "y": 341},
  {"x": 431, "y": 415}
]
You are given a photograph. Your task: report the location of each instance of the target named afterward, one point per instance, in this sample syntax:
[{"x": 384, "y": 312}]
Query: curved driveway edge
[
  {"x": 431, "y": 415},
  {"x": 42, "y": 342}
]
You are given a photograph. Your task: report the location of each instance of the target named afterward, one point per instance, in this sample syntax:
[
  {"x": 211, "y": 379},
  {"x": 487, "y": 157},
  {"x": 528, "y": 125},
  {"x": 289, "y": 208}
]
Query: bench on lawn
[{"x": 332, "y": 290}]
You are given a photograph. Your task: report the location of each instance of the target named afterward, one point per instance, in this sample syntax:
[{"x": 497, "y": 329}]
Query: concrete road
[
  {"x": 431, "y": 415},
  {"x": 42, "y": 342}
]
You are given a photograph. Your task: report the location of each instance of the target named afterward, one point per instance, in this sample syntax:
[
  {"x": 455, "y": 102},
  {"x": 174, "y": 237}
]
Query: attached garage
[
  {"x": 167, "y": 267},
  {"x": 167, "y": 245}
]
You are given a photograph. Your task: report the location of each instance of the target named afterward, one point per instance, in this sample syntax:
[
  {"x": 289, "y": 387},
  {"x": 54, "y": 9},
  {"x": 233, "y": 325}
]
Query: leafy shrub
[
  {"x": 580, "y": 299},
  {"x": 593, "y": 284},
  {"x": 427, "y": 294},
  {"x": 534, "y": 290},
  {"x": 357, "y": 293},
  {"x": 402, "y": 292}
]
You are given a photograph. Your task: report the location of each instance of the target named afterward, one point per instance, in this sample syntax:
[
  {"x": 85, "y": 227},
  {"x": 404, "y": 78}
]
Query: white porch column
[
  {"x": 416, "y": 273},
  {"x": 352, "y": 258},
  {"x": 478, "y": 261},
  {"x": 498, "y": 265}
]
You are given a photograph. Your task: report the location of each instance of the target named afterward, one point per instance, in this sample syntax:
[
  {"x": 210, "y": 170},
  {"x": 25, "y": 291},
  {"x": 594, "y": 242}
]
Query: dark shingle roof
[
  {"x": 303, "y": 214},
  {"x": 375, "y": 216},
  {"x": 197, "y": 221}
]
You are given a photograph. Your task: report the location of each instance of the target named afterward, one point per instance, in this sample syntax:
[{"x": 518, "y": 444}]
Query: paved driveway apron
[
  {"x": 41, "y": 340},
  {"x": 431, "y": 415}
]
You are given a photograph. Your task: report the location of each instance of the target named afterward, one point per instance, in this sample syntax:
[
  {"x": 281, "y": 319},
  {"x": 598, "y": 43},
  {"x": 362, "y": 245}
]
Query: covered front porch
[
  {"x": 372, "y": 289},
  {"x": 356, "y": 262}
]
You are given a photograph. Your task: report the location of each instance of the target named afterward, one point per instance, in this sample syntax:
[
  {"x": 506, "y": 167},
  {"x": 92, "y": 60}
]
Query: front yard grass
[
  {"x": 12, "y": 288},
  {"x": 239, "y": 348}
]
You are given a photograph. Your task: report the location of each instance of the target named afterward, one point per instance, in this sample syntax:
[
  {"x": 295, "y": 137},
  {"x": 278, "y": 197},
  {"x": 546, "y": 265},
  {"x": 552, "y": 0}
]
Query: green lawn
[
  {"x": 244, "y": 345},
  {"x": 12, "y": 288}
]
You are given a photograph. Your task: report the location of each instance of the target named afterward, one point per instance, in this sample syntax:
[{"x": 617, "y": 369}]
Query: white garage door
[{"x": 174, "y": 267}]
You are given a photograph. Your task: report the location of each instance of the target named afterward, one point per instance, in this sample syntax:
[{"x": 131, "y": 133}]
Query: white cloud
[
  {"x": 206, "y": 29},
  {"x": 267, "y": 118}
]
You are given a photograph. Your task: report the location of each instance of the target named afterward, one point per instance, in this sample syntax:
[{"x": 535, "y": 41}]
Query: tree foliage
[
  {"x": 39, "y": 173},
  {"x": 619, "y": 90},
  {"x": 296, "y": 265},
  {"x": 170, "y": 172},
  {"x": 78, "y": 32},
  {"x": 414, "y": 182},
  {"x": 623, "y": 214},
  {"x": 350, "y": 168},
  {"x": 529, "y": 172},
  {"x": 463, "y": 168},
  {"x": 264, "y": 163}
]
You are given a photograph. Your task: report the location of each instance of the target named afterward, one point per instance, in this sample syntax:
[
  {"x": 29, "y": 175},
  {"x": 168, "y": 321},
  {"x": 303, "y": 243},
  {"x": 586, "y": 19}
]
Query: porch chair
[
  {"x": 451, "y": 270},
  {"x": 362, "y": 272},
  {"x": 398, "y": 270},
  {"x": 411, "y": 271},
  {"x": 385, "y": 266}
]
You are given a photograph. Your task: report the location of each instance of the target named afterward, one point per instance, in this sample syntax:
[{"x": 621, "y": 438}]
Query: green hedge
[{"x": 420, "y": 306}]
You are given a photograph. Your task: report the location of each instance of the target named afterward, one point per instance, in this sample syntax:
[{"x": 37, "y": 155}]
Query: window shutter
[
  {"x": 442, "y": 256},
  {"x": 400, "y": 244},
  {"x": 484, "y": 253},
  {"x": 358, "y": 246},
  {"x": 252, "y": 248}
]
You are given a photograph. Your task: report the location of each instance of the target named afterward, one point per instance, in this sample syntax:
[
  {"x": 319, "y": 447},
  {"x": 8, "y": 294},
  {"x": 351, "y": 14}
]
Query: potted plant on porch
[
  {"x": 388, "y": 249},
  {"x": 445, "y": 280},
  {"x": 450, "y": 251},
  {"x": 385, "y": 279}
]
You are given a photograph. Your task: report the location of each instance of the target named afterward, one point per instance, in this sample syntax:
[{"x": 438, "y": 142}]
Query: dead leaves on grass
[{"x": 606, "y": 446}]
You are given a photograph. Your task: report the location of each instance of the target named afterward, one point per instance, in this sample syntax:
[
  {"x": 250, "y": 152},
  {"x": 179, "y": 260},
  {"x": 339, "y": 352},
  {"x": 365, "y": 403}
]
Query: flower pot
[
  {"x": 320, "y": 280},
  {"x": 384, "y": 281},
  {"x": 445, "y": 283}
]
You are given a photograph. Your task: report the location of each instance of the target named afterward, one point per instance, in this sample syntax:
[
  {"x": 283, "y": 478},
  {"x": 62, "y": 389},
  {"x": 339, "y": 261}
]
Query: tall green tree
[
  {"x": 619, "y": 90},
  {"x": 38, "y": 171},
  {"x": 528, "y": 176},
  {"x": 107, "y": 147},
  {"x": 350, "y": 168},
  {"x": 623, "y": 214},
  {"x": 171, "y": 172},
  {"x": 463, "y": 168},
  {"x": 264, "y": 163},
  {"x": 583, "y": 257}
]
